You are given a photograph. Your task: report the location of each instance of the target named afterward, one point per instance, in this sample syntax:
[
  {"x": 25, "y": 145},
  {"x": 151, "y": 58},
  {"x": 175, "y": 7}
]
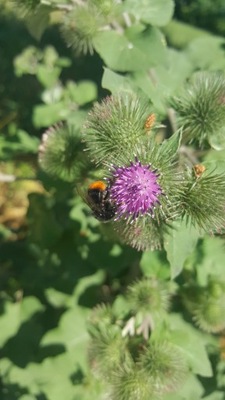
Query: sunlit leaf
[
  {"x": 15, "y": 314},
  {"x": 151, "y": 11},
  {"x": 38, "y": 21},
  {"x": 137, "y": 50},
  {"x": 179, "y": 243},
  {"x": 192, "y": 343}
]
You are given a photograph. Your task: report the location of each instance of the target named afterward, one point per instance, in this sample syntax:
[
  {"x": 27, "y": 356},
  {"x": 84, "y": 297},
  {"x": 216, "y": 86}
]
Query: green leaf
[
  {"x": 86, "y": 282},
  {"x": 170, "y": 146},
  {"x": 192, "y": 389},
  {"x": 203, "y": 59},
  {"x": 5, "y": 233},
  {"x": 44, "y": 228},
  {"x": 215, "y": 161},
  {"x": 154, "y": 12},
  {"x": 46, "y": 115},
  {"x": 179, "y": 243},
  {"x": 192, "y": 343},
  {"x": 48, "y": 75},
  {"x": 72, "y": 333},
  {"x": 20, "y": 142},
  {"x": 53, "y": 377},
  {"x": 215, "y": 396},
  {"x": 152, "y": 264},
  {"x": 38, "y": 21},
  {"x": 171, "y": 76},
  {"x": 29, "y": 306},
  {"x": 15, "y": 314},
  {"x": 151, "y": 87},
  {"x": 115, "y": 82},
  {"x": 163, "y": 81},
  {"x": 83, "y": 92},
  {"x": 121, "y": 307},
  {"x": 27, "y": 62},
  {"x": 56, "y": 298},
  {"x": 9, "y": 322},
  {"x": 28, "y": 143},
  {"x": 179, "y": 34},
  {"x": 133, "y": 51},
  {"x": 217, "y": 141},
  {"x": 212, "y": 262}
]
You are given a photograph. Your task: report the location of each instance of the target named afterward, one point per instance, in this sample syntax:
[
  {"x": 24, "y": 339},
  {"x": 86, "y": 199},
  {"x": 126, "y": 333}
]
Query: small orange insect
[
  {"x": 150, "y": 121},
  {"x": 198, "y": 170}
]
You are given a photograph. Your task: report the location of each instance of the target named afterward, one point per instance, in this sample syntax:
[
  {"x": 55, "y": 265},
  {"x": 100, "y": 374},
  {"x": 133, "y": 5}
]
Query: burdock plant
[
  {"x": 133, "y": 365},
  {"x": 146, "y": 185}
]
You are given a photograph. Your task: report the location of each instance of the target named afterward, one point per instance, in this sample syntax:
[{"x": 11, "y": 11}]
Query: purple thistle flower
[{"x": 135, "y": 190}]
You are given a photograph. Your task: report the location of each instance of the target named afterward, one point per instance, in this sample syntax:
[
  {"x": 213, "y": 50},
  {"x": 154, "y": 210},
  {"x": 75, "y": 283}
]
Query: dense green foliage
[
  {"x": 207, "y": 14},
  {"x": 84, "y": 314}
]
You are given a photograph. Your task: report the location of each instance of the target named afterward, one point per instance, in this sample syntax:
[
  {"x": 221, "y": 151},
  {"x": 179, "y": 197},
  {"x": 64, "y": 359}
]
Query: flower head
[
  {"x": 165, "y": 364},
  {"x": 135, "y": 189},
  {"x": 207, "y": 305},
  {"x": 201, "y": 109},
  {"x": 60, "y": 153},
  {"x": 80, "y": 26},
  {"x": 149, "y": 296},
  {"x": 116, "y": 127}
]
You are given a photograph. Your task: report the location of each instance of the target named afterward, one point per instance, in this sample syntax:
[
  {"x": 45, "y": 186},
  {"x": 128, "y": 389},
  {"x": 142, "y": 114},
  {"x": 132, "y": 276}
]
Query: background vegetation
[{"x": 83, "y": 315}]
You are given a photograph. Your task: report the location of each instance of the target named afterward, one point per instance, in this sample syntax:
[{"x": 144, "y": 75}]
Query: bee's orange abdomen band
[{"x": 99, "y": 185}]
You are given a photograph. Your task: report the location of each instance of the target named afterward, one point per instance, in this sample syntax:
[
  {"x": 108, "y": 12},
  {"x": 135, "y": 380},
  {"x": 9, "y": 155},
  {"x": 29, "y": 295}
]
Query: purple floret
[{"x": 135, "y": 190}]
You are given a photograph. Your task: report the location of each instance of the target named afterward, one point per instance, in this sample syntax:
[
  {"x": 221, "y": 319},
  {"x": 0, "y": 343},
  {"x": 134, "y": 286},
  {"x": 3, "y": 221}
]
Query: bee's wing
[
  {"x": 82, "y": 192},
  {"x": 102, "y": 212}
]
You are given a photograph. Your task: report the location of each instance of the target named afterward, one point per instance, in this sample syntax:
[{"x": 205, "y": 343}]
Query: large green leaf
[
  {"x": 72, "y": 334},
  {"x": 137, "y": 49},
  {"x": 179, "y": 243},
  {"x": 115, "y": 82},
  {"x": 44, "y": 227},
  {"x": 213, "y": 261},
  {"x": 88, "y": 281},
  {"x": 56, "y": 298},
  {"x": 164, "y": 80},
  {"x": 15, "y": 314},
  {"x": 53, "y": 377},
  {"x": 9, "y": 321},
  {"x": 48, "y": 75},
  {"x": 215, "y": 396},
  {"x": 38, "y": 21},
  {"x": 148, "y": 82},
  {"x": 192, "y": 389},
  {"x": 153, "y": 264},
  {"x": 198, "y": 52},
  {"x": 192, "y": 343},
  {"x": 82, "y": 92},
  {"x": 48, "y": 114},
  {"x": 154, "y": 12}
]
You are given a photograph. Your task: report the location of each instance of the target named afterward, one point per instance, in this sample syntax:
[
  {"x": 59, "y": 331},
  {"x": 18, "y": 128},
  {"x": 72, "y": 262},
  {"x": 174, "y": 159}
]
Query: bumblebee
[{"x": 98, "y": 200}]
